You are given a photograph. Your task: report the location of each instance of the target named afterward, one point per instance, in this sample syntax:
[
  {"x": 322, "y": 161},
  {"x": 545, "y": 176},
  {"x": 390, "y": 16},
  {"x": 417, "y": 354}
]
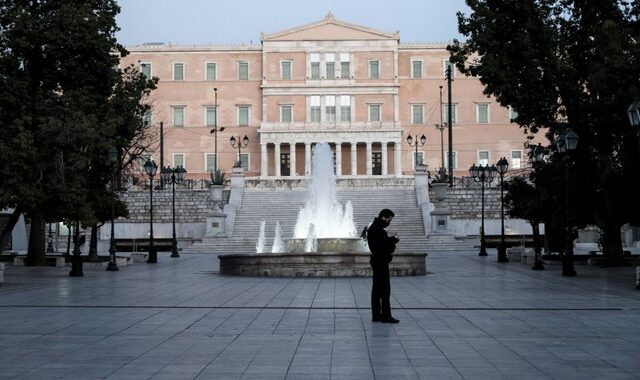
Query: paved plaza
[{"x": 469, "y": 318}]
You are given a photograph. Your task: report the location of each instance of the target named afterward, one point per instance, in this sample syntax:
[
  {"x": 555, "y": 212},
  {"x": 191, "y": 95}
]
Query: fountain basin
[
  {"x": 346, "y": 245},
  {"x": 318, "y": 264}
]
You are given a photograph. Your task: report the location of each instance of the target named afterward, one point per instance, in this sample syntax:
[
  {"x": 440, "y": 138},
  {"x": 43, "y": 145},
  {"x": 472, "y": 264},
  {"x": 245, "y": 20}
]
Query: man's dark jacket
[{"x": 381, "y": 245}]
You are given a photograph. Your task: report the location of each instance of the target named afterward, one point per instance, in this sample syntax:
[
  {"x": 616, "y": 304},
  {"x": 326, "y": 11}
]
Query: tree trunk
[
  {"x": 612, "y": 241},
  {"x": 69, "y": 231},
  {"x": 35, "y": 252},
  {"x": 535, "y": 228},
  {"x": 6, "y": 232},
  {"x": 93, "y": 244}
]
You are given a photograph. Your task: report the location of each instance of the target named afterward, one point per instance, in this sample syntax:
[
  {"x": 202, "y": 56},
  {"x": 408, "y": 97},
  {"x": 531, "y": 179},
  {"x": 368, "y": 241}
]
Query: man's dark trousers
[{"x": 380, "y": 291}]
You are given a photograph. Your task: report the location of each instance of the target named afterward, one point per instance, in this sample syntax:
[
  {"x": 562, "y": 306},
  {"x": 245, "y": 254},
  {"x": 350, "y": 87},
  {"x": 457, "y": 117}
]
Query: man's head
[{"x": 386, "y": 215}]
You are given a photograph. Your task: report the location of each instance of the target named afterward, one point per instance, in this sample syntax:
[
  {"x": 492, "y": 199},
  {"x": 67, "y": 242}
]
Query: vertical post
[
  {"x": 113, "y": 265},
  {"x": 450, "y": 125},
  {"x": 567, "y": 264},
  {"x": 174, "y": 242},
  {"x": 502, "y": 251},
  {"x": 483, "y": 246},
  {"x": 441, "y": 128},
  {"x": 76, "y": 258},
  {"x": 215, "y": 133},
  {"x": 161, "y": 151},
  {"x": 153, "y": 255},
  {"x": 50, "y": 241}
]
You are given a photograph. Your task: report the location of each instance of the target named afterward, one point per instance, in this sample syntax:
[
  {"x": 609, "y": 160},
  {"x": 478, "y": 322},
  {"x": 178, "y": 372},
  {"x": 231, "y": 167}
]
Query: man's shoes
[
  {"x": 389, "y": 320},
  {"x": 377, "y": 319}
]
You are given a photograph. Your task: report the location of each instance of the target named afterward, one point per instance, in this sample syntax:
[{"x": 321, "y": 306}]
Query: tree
[
  {"x": 62, "y": 104},
  {"x": 562, "y": 65}
]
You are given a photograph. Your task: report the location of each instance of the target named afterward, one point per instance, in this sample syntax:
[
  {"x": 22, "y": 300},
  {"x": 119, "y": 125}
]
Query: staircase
[{"x": 281, "y": 204}]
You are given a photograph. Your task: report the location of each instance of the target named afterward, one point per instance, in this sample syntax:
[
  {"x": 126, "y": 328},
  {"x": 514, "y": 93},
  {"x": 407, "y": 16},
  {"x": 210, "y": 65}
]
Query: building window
[
  {"x": 145, "y": 68},
  {"x": 513, "y": 114},
  {"x": 445, "y": 112},
  {"x": 210, "y": 162},
  {"x": 210, "y": 115},
  {"x": 455, "y": 160},
  {"x": 483, "y": 157},
  {"x": 330, "y": 109},
  {"x": 330, "y": 65},
  {"x": 482, "y": 113},
  {"x": 210, "y": 71},
  {"x": 314, "y": 109},
  {"x": 315, "y": 65},
  {"x": 374, "y": 69},
  {"x": 417, "y": 114},
  {"x": 344, "y": 66},
  {"x": 146, "y": 118},
  {"x": 286, "y": 114},
  {"x": 244, "y": 161},
  {"x": 178, "y": 116},
  {"x": 178, "y": 71},
  {"x": 345, "y": 108},
  {"x": 243, "y": 116},
  {"x": 445, "y": 65},
  {"x": 516, "y": 159},
  {"x": 243, "y": 70},
  {"x": 418, "y": 157},
  {"x": 374, "y": 112},
  {"x": 285, "y": 69},
  {"x": 416, "y": 69},
  {"x": 178, "y": 160}
]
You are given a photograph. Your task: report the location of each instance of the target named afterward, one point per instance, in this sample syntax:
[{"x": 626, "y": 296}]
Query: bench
[
  {"x": 57, "y": 261},
  {"x": 493, "y": 241},
  {"x": 142, "y": 245}
]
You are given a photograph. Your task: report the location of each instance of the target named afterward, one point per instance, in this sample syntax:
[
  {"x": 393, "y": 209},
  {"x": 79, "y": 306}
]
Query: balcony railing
[{"x": 327, "y": 125}]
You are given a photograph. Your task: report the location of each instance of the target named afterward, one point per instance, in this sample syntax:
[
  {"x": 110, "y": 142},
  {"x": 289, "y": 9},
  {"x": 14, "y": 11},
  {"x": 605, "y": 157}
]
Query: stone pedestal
[
  {"x": 441, "y": 215},
  {"x": 215, "y": 228},
  {"x": 422, "y": 197}
]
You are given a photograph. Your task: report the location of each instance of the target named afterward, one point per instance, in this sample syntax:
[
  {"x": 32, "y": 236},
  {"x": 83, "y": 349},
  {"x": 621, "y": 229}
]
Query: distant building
[{"x": 359, "y": 89}]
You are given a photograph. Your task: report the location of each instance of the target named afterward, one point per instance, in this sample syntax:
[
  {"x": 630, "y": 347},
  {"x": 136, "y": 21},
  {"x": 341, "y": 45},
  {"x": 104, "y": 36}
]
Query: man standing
[{"x": 381, "y": 246}]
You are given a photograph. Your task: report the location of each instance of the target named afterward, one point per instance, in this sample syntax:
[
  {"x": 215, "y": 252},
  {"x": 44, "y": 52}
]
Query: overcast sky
[{"x": 242, "y": 21}]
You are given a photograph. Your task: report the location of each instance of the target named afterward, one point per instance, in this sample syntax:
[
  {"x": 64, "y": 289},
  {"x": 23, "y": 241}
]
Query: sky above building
[{"x": 190, "y": 22}]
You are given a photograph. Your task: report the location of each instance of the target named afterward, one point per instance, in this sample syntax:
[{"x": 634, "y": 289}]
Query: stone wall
[
  {"x": 466, "y": 203},
  {"x": 192, "y": 206}
]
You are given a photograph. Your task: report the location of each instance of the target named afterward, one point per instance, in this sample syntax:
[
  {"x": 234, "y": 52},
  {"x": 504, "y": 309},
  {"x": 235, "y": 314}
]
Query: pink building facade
[{"x": 358, "y": 89}]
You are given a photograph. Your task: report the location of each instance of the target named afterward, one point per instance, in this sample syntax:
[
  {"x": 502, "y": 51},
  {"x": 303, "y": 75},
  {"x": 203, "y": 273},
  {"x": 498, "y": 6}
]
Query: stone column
[
  {"x": 292, "y": 158},
  {"x": 397, "y": 159},
  {"x": 354, "y": 158},
  {"x": 264, "y": 161},
  {"x": 384, "y": 158},
  {"x": 338, "y": 159},
  {"x": 307, "y": 159},
  {"x": 369, "y": 166},
  {"x": 276, "y": 153}
]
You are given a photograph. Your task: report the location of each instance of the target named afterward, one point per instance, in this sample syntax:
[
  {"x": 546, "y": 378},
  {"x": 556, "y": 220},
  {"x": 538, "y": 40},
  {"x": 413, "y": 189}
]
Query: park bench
[
  {"x": 142, "y": 245},
  {"x": 492, "y": 241}
]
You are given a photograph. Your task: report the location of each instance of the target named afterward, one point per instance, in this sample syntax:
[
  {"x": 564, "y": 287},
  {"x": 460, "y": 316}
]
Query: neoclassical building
[{"x": 359, "y": 89}]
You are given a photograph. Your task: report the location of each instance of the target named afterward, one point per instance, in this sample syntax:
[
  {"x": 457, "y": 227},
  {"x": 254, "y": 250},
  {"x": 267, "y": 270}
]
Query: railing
[
  {"x": 327, "y": 125},
  {"x": 188, "y": 184}
]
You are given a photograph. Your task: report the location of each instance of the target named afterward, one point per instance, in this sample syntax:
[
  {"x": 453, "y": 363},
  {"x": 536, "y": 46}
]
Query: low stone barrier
[{"x": 320, "y": 264}]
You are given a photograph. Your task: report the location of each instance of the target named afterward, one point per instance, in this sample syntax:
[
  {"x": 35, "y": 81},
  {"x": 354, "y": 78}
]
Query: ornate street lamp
[
  {"x": 239, "y": 144},
  {"x": 417, "y": 144},
  {"x": 50, "y": 241},
  {"x": 173, "y": 177},
  {"x": 502, "y": 166},
  {"x": 537, "y": 157},
  {"x": 113, "y": 160},
  {"x": 215, "y": 131},
  {"x": 483, "y": 174},
  {"x": 151, "y": 168},
  {"x": 566, "y": 144},
  {"x": 76, "y": 258}
]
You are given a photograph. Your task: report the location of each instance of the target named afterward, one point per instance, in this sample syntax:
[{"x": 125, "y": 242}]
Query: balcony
[{"x": 328, "y": 126}]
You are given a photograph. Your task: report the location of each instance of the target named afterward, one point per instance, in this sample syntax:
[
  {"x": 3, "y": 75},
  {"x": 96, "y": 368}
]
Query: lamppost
[
  {"x": 215, "y": 131},
  {"x": 634, "y": 119},
  {"x": 482, "y": 174},
  {"x": 441, "y": 128},
  {"x": 239, "y": 144},
  {"x": 417, "y": 144},
  {"x": 151, "y": 168},
  {"x": 76, "y": 258},
  {"x": 503, "y": 166},
  {"x": 566, "y": 144},
  {"x": 173, "y": 177},
  {"x": 113, "y": 265},
  {"x": 537, "y": 156},
  {"x": 50, "y": 241}
]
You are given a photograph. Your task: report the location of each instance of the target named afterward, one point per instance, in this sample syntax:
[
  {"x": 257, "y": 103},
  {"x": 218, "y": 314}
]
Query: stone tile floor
[{"x": 469, "y": 318}]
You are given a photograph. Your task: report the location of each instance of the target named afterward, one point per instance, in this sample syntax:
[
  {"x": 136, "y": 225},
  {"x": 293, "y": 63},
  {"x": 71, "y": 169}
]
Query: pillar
[
  {"x": 276, "y": 153},
  {"x": 292, "y": 158},
  {"x": 397, "y": 159},
  {"x": 384, "y": 157},
  {"x": 368, "y": 157},
  {"x": 338, "y": 159},
  {"x": 307, "y": 159},
  {"x": 264, "y": 162},
  {"x": 354, "y": 158}
]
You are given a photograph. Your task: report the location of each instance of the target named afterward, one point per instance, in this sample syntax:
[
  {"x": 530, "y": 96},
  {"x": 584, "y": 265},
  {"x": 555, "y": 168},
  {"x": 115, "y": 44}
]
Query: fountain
[{"x": 325, "y": 240}]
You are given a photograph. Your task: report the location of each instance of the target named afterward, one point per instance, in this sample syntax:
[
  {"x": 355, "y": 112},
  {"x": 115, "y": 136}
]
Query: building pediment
[{"x": 329, "y": 29}]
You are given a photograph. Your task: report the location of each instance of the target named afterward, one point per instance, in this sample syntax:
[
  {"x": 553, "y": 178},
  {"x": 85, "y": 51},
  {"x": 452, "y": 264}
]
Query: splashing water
[
  {"x": 260, "y": 246},
  {"x": 311, "y": 245},
  {"x": 322, "y": 209},
  {"x": 278, "y": 244}
]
